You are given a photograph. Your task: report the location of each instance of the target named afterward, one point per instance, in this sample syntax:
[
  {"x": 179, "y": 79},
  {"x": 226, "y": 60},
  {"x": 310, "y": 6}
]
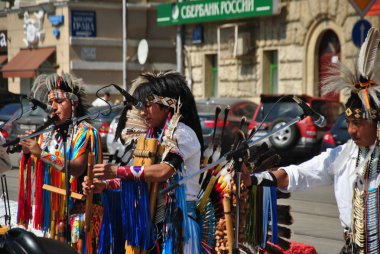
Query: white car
[{"x": 116, "y": 149}]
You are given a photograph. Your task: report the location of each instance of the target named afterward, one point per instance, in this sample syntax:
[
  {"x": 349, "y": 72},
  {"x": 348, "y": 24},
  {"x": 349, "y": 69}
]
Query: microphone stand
[
  {"x": 238, "y": 153},
  {"x": 68, "y": 121}
]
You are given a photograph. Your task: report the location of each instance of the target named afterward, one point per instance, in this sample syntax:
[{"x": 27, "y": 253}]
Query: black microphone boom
[
  {"x": 138, "y": 104},
  {"x": 37, "y": 103},
  {"x": 318, "y": 119},
  {"x": 13, "y": 144}
]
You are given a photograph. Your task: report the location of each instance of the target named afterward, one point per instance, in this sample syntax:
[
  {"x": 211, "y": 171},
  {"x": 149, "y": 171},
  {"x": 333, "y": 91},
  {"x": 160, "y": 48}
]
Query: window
[
  {"x": 211, "y": 75},
  {"x": 270, "y": 72}
]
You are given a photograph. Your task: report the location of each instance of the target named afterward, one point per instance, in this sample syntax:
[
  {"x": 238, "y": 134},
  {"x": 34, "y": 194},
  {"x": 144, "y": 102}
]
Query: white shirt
[
  {"x": 5, "y": 161},
  {"x": 335, "y": 166},
  {"x": 190, "y": 151}
]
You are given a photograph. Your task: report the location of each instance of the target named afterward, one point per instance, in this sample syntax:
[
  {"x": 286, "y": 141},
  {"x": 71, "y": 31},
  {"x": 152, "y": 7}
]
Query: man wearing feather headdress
[
  {"x": 44, "y": 158},
  {"x": 171, "y": 117},
  {"x": 353, "y": 168}
]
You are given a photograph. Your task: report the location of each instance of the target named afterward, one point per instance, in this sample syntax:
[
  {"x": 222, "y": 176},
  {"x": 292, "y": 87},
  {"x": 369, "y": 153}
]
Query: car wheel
[{"x": 286, "y": 138}]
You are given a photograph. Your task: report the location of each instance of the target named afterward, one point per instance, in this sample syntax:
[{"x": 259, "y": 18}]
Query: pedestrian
[
  {"x": 353, "y": 168},
  {"x": 44, "y": 158},
  {"x": 5, "y": 161},
  {"x": 167, "y": 100},
  {"x": 103, "y": 101}
]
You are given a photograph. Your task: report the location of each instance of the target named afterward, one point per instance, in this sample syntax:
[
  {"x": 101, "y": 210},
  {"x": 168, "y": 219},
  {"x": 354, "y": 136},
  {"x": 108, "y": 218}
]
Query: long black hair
[{"x": 173, "y": 85}]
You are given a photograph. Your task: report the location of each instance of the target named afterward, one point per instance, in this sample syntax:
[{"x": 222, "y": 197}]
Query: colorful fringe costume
[
  {"x": 174, "y": 228},
  {"x": 49, "y": 207}
]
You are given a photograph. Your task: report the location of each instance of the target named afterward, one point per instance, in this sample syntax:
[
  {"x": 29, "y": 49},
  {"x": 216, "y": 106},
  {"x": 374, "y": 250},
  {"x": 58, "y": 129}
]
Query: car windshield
[
  {"x": 284, "y": 109},
  {"x": 206, "y": 108},
  {"x": 209, "y": 109}
]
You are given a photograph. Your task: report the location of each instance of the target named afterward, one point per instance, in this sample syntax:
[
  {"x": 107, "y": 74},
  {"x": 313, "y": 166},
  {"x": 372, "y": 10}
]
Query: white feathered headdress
[{"x": 363, "y": 83}]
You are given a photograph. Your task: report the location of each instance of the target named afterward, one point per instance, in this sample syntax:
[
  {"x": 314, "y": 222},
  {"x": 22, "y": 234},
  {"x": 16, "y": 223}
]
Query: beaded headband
[
  {"x": 58, "y": 94},
  {"x": 169, "y": 102}
]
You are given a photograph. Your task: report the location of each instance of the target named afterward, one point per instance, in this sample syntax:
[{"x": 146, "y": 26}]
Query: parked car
[
  {"x": 302, "y": 139},
  {"x": 238, "y": 108},
  {"x": 115, "y": 148},
  {"x": 8, "y": 98},
  {"x": 6, "y": 113},
  {"x": 337, "y": 135},
  {"x": 102, "y": 122}
]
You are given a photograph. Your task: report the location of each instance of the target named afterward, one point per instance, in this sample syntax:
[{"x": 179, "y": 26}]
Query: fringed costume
[{"x": 45, "y": 210}]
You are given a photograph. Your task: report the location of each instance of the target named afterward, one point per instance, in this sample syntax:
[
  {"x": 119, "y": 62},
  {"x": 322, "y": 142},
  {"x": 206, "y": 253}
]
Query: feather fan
[{"x": 367, "y": 54}]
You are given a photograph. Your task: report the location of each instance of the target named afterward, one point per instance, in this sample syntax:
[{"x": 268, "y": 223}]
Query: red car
[{"x": 302, "y": 139}]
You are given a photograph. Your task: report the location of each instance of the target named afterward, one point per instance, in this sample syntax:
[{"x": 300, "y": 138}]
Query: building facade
[
  {"x": 284, "y": 51},
  {"x": 84, "y": 38}
]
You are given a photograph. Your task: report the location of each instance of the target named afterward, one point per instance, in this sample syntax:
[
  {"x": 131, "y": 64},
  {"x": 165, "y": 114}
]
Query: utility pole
[
  {"x": 179, "y": 47},
  {"x": 125, "y": 52}
]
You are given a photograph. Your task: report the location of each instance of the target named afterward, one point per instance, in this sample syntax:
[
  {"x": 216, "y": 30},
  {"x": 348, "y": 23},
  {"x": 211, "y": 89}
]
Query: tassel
[
  {"x": 284, "y": 232},
  {"x": 88, "y": 243},
  {"x": 21, "y": 194},
  {"x": 138, "y": 220},
  {"x": 111, "y": 236},
  {"x": 46, "y": 200},
  {"x": 249, "y": 231},
  {"x": 178, "y": 242},
  {"x": 28, "y": 206},
  {"x": 38, "y": 209},
  {"x": 207, "y": 227},
  {"x": 284, "y": 216},
  {"x": 273, "y": 210}
]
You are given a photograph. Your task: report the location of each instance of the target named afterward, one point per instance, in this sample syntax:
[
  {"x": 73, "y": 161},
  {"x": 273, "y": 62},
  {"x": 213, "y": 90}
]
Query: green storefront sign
[{"x": 212, "y": 10}]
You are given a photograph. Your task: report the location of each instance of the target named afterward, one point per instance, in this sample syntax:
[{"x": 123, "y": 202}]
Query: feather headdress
[
  {"x": 73, "y": 88},
  {"x": 363, "y": 84}
]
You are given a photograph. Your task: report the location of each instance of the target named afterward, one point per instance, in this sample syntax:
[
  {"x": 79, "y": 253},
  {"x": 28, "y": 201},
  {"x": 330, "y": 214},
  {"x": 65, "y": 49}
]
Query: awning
[
  {"x": 26, "y": 62},
  {"x": 3, "y": 58}
]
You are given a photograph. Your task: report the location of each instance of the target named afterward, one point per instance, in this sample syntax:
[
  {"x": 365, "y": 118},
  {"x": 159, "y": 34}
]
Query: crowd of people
[{"x": 123, "y": 216}]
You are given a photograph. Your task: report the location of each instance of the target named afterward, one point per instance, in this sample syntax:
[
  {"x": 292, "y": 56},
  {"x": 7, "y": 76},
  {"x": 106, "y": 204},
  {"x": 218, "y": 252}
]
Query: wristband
[
  {"x": 264, "y": 179},
  {"x": 130, "y": 172},
  {"x": 112, "y": 184}
]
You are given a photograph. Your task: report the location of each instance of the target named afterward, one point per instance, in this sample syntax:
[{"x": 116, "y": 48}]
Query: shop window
[{"x": 270, "y": 72}]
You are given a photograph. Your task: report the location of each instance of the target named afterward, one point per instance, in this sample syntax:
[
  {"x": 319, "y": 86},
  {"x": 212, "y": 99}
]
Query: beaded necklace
[{"x": 365, "y": 203}]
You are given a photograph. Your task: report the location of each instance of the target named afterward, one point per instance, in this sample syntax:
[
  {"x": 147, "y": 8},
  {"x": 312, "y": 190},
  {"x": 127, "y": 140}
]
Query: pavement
[
  {"x": 315, "y": 214},
  {"x": 316, "y": 220}
]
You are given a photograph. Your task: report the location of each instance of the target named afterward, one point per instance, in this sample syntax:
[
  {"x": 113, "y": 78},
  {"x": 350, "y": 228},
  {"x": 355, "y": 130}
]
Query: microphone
[
  {"x": 138, "y": 104},
  {"x": 318, "y": 119},
  {"x": 37, "y": 103}
]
